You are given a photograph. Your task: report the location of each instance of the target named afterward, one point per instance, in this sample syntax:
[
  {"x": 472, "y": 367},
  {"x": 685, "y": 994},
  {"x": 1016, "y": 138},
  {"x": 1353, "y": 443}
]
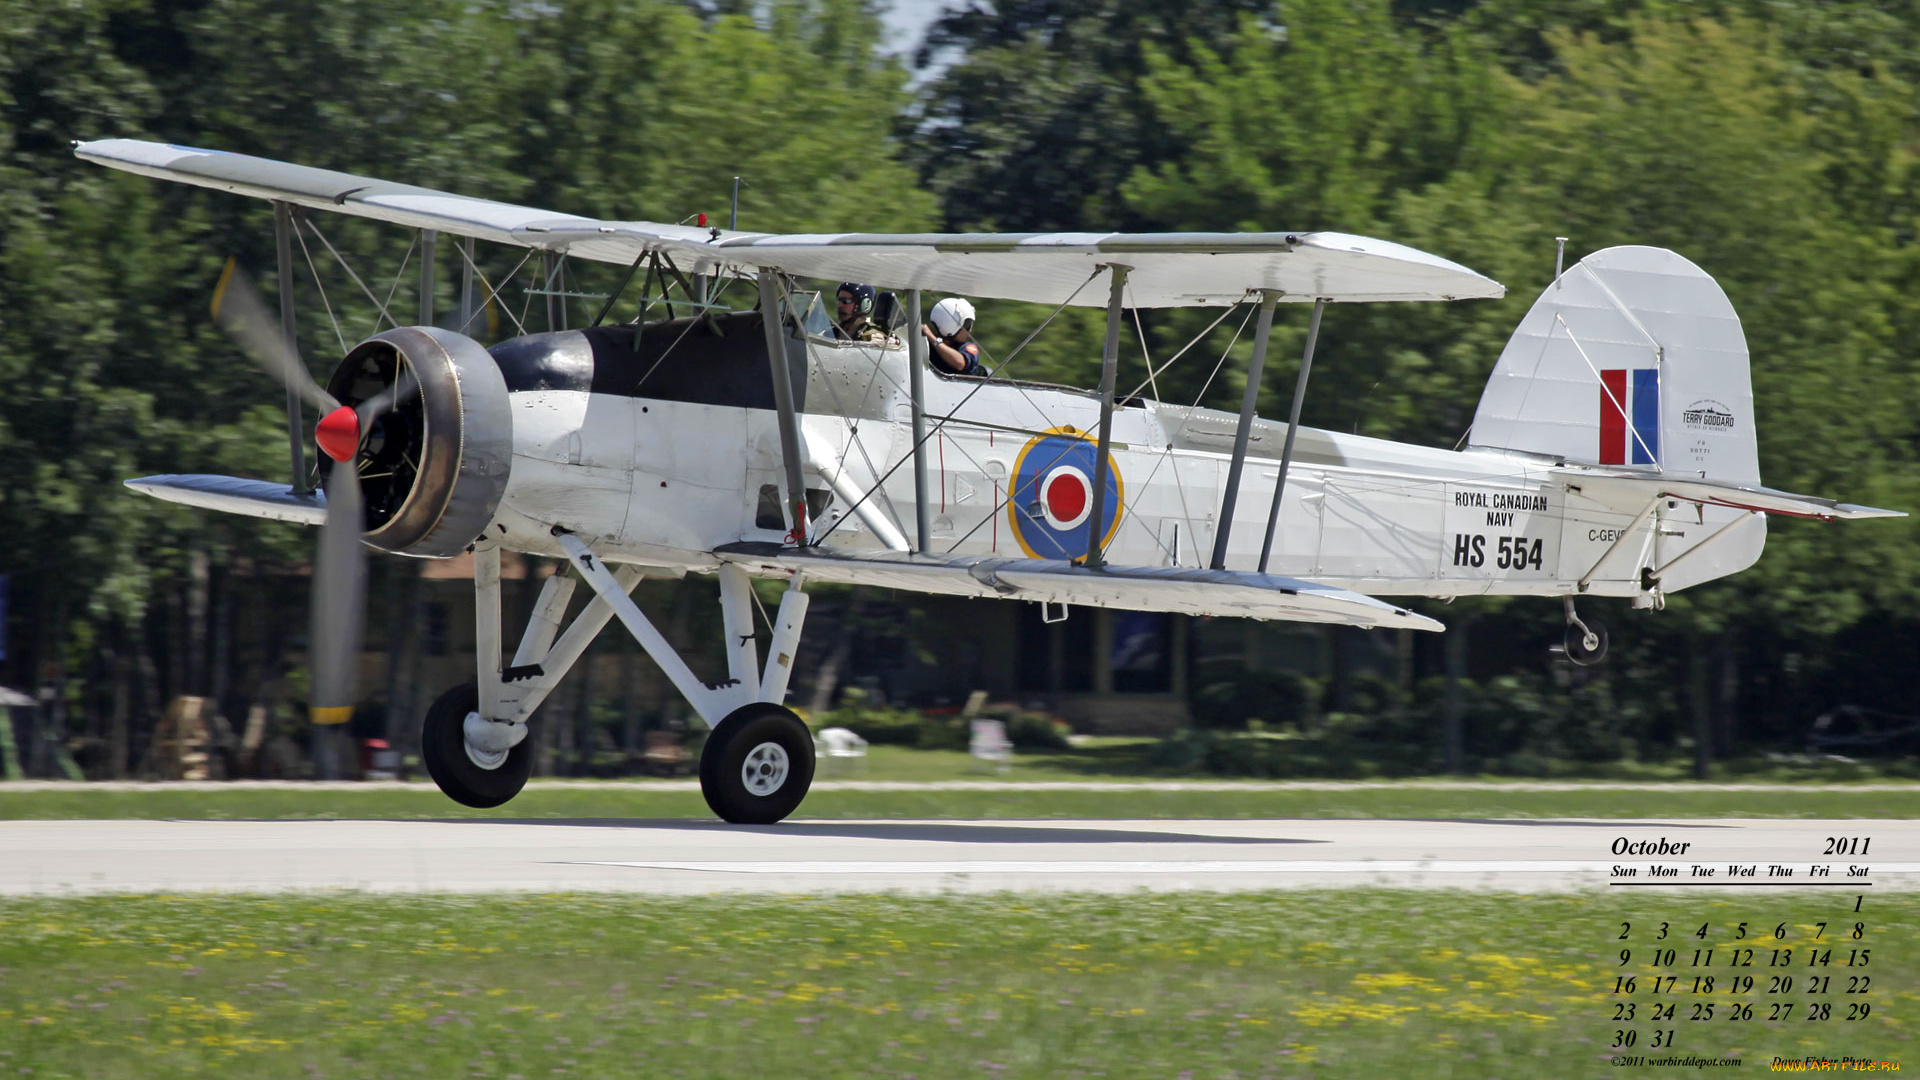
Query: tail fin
[{"x": 1634, "y": 358}]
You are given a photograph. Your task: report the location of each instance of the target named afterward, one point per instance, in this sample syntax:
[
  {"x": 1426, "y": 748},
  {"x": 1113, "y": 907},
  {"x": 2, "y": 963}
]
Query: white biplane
[{"x": 1613, "y": 453}]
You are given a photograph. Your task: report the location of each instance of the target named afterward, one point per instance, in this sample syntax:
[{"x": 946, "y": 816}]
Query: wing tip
[
  {"x": 1413, "y": 620},
  {"x": 1855, "y": 510}
]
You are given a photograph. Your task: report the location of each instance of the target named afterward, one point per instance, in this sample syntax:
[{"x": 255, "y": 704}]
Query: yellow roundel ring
[{"x": 1050, "y": 495}]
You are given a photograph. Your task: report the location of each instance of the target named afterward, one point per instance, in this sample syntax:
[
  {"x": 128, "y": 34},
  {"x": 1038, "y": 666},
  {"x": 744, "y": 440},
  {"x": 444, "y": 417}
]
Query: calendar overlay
[{"x": 1686, "y": 982}]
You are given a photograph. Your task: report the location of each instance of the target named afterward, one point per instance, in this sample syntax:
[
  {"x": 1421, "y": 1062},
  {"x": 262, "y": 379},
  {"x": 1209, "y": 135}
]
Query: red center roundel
[{"x": 1066, "y": 494}]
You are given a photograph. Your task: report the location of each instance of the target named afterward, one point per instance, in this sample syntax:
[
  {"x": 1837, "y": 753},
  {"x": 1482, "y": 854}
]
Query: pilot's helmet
[
  {"x": 952, "y": 315},
  {"x": 861, "y": 295}
]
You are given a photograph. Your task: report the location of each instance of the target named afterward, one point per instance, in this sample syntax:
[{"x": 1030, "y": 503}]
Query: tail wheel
[
  {"x": 443, "y": 748},
  {"x": 757, "y": 765},
  {"x": 1587, "y": 646}
]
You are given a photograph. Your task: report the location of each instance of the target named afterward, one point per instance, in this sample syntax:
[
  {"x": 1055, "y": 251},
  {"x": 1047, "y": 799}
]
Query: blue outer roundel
[{"x": 1060, "y": 453}]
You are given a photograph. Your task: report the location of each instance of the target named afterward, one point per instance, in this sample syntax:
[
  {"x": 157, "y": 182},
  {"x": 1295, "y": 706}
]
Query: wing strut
[
  {"x": 1268, "y": 298},
  {"x": 428, "y": 249},
  {"x": 1109, "y": 361},
  {"x": 550, "y": 269},
  {"x": 466, "y": 287},
  {"x": 783, "y": 401},
  {"x": 917, "y": 388},
  {"x": 1293, "y": 425},
  {"x": 283, "y": 243}
]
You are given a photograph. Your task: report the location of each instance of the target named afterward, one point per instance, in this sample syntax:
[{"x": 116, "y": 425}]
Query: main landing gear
[
  {"x": 1586, "y": 638},
  {"x": 758, "y": 763}
]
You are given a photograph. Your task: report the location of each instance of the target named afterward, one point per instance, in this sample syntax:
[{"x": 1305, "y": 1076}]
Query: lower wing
[
  {"x": 1138, "y": 588},
  {"x": 236, "y": 495}
]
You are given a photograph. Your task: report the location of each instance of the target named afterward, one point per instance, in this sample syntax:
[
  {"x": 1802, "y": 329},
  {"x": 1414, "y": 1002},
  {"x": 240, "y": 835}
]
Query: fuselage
[{"x": 663, "y": 461}]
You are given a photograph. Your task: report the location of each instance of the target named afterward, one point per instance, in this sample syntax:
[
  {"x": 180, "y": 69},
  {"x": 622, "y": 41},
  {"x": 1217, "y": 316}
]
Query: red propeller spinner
[{"x": 339, "y": 433}]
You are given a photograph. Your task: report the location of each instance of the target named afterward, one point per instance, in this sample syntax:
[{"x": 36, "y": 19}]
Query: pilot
[
  {"x": 950, "y": 343},
  {"x": 854, "y": 314}
]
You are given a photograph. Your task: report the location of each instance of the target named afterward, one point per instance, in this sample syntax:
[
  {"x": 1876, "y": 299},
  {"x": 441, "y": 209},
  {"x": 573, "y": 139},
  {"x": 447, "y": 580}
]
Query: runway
[{"x": 690, "y": 857}]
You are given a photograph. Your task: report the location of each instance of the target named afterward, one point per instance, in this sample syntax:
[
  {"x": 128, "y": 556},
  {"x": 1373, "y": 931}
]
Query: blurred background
[{"x": 1772, "y": 142}]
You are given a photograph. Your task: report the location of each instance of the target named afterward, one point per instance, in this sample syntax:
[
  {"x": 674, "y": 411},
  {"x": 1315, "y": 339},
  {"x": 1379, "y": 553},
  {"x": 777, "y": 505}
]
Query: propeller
[{"x": 340, "y": 562}]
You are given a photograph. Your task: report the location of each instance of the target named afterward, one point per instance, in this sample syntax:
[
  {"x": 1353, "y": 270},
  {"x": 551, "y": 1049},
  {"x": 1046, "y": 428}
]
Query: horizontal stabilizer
[
  {"x": 236, "y": 495},
  {"x": 1624, "y": 489},
  {"x": 1185, "y": 591},
  {"x": 1168, "y": 269}
]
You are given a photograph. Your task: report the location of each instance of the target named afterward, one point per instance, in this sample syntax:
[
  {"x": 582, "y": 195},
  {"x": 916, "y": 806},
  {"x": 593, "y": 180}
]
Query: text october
[{"x": 1662, "y": 846}]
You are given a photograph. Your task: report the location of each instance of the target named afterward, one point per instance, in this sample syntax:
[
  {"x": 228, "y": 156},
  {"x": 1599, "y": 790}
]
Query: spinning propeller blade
[
  {"x": 238, "y": 309},
  {"x": 340, "y": 562},
  {"x": 339, "y": 599}
]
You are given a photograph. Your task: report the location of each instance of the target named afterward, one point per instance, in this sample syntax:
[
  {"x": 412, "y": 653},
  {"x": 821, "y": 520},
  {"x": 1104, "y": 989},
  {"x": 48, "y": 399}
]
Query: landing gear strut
[{"x": 1586, "y": 639}]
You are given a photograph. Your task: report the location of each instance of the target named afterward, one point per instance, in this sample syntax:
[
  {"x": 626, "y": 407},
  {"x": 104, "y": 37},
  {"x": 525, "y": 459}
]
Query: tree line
[{"x": 1770, "y": 141}]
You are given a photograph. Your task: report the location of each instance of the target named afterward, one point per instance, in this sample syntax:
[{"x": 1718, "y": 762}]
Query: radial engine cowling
[{"x": 434, "y": 467}]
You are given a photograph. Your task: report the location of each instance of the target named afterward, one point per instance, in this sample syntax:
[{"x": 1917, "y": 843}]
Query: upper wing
[
  {"x": 1168, "y": 269},
  {"x": 1136, "y": 588}
]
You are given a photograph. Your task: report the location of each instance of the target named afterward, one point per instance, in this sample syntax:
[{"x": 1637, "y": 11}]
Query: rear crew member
[{"x": 950, "y": 343}]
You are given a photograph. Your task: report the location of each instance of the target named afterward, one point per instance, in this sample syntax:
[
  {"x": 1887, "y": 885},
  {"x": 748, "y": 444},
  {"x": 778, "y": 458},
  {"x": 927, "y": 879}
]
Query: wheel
[
  {"x": 443, "y": 748},
  {"x": 1589, "y": 648},
  {"x": 757, "y": 765}
]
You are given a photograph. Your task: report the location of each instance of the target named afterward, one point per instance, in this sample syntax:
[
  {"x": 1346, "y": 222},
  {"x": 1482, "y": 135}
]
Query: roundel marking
[
  {"x": 1067, "y": 495},
  {"x": 1051, "y": 495}
]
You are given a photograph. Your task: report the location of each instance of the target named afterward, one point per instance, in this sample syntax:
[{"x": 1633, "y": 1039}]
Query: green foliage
[
  {"x": 883, "y": 726},
  {"x": 1276, "y": 699},
  {"x": 649, "y": 111},
  {"x": 1040, "y": 120},
  {"x": 112, "y": 365},
  {"x": 943, "y": 733},
  {"x": 1513, "y": 725},
  {"x": 1772, "y": 142},
  {"x": 878, "y": 724},
  {"x": 1030, "y": 730}
]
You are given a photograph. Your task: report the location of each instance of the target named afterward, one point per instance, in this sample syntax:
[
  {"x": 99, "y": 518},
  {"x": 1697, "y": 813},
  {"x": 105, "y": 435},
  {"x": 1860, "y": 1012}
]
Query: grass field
[
  {"x": 644, "y": 801},
  {"x": 1823, "y": 789},
  {"x": 1325, "y": 984}
]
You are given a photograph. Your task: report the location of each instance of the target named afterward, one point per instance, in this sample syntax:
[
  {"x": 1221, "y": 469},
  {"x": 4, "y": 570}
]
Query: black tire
[
  {"x": 1577, "y": 650},
  {"x": 443, "y": 749},
  {"x": 776, "y": 743}
]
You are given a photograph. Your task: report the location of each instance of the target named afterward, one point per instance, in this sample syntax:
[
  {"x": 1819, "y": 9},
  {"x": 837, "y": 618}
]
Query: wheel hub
[
  {"x": 485, "y": 759},
  {"x": 765, "y": 769}
]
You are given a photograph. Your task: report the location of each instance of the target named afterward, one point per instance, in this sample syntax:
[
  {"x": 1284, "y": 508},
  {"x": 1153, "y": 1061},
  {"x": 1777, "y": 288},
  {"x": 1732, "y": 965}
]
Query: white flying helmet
[{"x": 952, "y": 315}]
